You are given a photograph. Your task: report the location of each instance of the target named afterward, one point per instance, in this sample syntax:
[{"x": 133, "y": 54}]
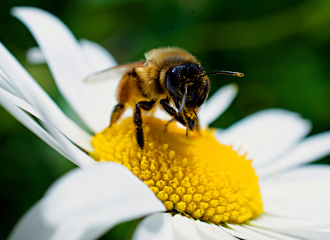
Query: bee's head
[{"x": 189, "y": 86}]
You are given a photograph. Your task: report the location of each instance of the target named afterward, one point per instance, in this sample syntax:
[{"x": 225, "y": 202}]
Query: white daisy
[{"x": 86, "y": 203}]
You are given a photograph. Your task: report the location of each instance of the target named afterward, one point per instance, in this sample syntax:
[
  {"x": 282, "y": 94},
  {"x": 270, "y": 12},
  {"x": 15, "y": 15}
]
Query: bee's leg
[
  {"x": 117, "y": 111},
  {"x": 172, "y": 111},
  {"x": 137, "y": 119},
  {"x": 168, "y": 123},
  {"x": 197, "y": 128}
]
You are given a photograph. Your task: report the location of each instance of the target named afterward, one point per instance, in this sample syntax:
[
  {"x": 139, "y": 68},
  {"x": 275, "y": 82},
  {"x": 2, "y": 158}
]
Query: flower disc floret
[{"x": 195, "y": 176}]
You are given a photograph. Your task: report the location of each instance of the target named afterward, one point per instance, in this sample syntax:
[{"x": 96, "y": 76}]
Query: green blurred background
[{"x": 282, "y": 47}]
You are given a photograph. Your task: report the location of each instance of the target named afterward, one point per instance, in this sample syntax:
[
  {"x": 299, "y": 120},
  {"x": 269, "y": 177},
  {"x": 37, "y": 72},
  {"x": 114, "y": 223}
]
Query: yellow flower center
[{"x": 198, "y": 176}]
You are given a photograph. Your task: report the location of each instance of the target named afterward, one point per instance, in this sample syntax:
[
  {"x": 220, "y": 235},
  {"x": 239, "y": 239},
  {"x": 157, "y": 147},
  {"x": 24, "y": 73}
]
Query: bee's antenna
[
  {"x": 183, "y": 98},
  {"x": 236, "y": 74}
]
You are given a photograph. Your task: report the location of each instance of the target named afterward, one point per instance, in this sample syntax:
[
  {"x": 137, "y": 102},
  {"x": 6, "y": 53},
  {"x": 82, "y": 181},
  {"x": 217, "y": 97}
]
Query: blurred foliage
[{"x": 281, "y": 46}]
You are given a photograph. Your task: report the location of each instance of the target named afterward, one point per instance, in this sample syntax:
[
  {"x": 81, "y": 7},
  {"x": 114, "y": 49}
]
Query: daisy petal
[
  {"x": 217, "y": 104},
  {"x": 84, "y": 204},
  {"x": 184, "y": 228},
  {"x": 157, "y": 226},
  {"x": 31, "y": 226},
  {"x": 265, "y": 135},
  {"x": 102, "y": 95},
  {"x": 63, "y": 146},
  {"x": 238, "y": 235},
  {"x": 270, "y": 233},
  {"x": 164, "y": 226},
  {"x": 305, "y": 173},
  {"x": 31, "y": 91},
  {"x": 302, "y": 193},
  {"x": 309, "y": 150},
  {"x": 212, "y": 231},
  {"x": 64, "y": 56},
  {"x": 35, "y": 56},
  {"x": 98, "y": 57},
  {"x": 75, "y": 154},
  {"x": 248, "y": 232},
  {"x": 20, "y": 103},
  {"x": 28, "y": 122},
  {"x": 294, "y": 227},
  {"x": 7, "y": 85}
]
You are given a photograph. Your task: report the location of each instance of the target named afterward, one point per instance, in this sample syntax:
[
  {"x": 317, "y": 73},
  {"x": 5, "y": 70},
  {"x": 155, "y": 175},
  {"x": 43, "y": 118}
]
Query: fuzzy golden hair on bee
[{"x": 159, "y": 61}]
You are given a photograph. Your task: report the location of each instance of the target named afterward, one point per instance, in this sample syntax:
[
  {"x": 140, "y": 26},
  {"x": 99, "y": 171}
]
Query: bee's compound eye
[
  {"x": 204, "y": 95},
  {"x": 201, "y": 100},
  {"x": 170, "y": 81}
]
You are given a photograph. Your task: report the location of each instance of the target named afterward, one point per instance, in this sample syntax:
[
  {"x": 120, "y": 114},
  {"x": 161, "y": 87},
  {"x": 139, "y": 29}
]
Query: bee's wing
[{"x": 116, "y": 72}]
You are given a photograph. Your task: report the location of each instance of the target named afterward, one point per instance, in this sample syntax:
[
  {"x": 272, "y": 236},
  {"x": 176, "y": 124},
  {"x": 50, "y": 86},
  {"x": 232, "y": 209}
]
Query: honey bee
[{"x": 171, "y": 77}]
